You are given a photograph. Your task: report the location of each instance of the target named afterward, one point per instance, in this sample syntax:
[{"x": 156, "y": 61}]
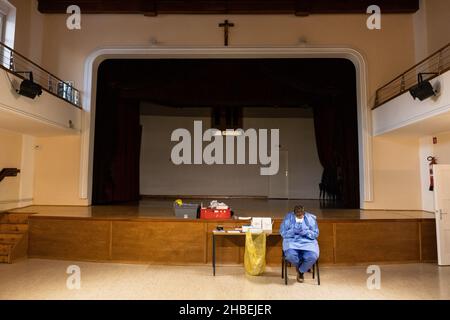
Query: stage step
[
  {"x": 10, "y": 236},
  {"x": 5, "y": 248},
  {"x": 4, "y": 258},
  {"x": 20, "y": 227},
  {"x": 15, "y": 217},
  {"x": 13, "y": 236}
]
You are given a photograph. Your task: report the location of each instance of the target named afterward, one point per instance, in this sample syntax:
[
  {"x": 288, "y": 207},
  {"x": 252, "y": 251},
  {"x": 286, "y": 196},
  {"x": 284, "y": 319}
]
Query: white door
[
  {"x": 441, "y": 175},
  {"x": 278, "y": 183}
]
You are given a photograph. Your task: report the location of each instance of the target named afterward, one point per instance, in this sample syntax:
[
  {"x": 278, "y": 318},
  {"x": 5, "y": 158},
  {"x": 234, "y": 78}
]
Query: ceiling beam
[{"x": 297, "y": 7}]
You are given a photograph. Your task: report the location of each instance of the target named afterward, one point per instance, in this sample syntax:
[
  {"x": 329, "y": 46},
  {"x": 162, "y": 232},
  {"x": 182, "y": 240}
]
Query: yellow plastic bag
[{"x": 255, "y": 253}]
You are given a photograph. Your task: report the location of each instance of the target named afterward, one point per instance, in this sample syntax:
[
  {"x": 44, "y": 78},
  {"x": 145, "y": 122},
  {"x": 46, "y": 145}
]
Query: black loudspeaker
[
  {"x": 29, "y": 89},
  {"x": 422, "y": 90}
]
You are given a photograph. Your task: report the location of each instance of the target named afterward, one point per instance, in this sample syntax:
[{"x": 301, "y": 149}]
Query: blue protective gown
[{"x": 300, "y": 236}]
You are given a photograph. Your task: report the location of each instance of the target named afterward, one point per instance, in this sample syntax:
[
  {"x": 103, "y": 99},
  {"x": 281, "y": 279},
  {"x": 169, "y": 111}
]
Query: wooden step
[
  {"x": 21, "y": 227},
  {"x": 13, "y": 236},
  {"x": 12, "y": 232},
  {"x": 15, "y": 217},
  {"x": 10, "y": 236},
  {"x": 4, "y": 258},
  {"x": 8, "y": 241},
  {"x": 5, "y": 248}
]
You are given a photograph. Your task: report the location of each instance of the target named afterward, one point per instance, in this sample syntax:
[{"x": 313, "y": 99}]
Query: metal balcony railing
[
  {"x": 21, "y": 66},
  {"x": 437, "y": 63}
]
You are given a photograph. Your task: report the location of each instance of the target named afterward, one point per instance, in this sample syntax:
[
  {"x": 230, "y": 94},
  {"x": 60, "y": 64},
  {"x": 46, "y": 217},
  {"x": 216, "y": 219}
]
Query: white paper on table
[
  {"x": 266, "y": 224},
  {"x": 257, "y": 223}
]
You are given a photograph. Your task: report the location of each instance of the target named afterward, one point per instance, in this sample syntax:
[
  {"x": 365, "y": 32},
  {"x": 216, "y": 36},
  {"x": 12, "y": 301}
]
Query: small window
[
  {"x": 7, "y": 30},
  {"x": 2, "y": 27},
  {"x": 3, "y": 59},
  {"x": 7, "y": 23}
]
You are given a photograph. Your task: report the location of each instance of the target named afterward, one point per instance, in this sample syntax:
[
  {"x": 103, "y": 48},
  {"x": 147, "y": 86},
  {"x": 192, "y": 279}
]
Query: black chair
[{"x": 284, "y": 266}]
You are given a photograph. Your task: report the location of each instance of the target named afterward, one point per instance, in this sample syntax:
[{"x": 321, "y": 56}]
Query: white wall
[
  {"x": 408, "y": 120},
  {"x": 426, "y": 150},
  {"x": 24, "y": 123},
  {"x": 29, "y": 29},
  {"x": 420, "y": 32},
  {"x": 159, "y": 176},
  {"x": 438, "y": 24},
  {"x": 10, "y": 157},
  {"x": 26, "y": 190},
  {"x": 396, "y": 172},
  {"x": 16, "y": 152},
  {"x": 440, "y": 150},
  {"x": 429, "y": 24}
]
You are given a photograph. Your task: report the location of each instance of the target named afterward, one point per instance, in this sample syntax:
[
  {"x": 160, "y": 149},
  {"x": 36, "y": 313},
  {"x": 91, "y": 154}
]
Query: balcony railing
[
  {"x": 437, "y": 63},
  {"x": 22, "y": 67}
]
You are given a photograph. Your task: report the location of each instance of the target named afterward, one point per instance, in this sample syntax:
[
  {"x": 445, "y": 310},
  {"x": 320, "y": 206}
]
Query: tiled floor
[
  {"x": 241, "y": 207},
  {"x": 46, "y": 279}
]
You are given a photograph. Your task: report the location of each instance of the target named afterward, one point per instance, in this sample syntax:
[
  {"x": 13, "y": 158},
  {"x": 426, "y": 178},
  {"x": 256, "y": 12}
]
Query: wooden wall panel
[
  {"x": 326, "y": 242},
  {"x": 69, "y": 239},
  {"x": 274, "y": 246},
  {"x": 20, "y": 250},
  {"x": 369, "y": 241},
  {"x": 158, "y": 242},
  {"x": 227, "y": 248},
  {"x": 428, "y": 239},
  {"x": 190, "y": 242}
]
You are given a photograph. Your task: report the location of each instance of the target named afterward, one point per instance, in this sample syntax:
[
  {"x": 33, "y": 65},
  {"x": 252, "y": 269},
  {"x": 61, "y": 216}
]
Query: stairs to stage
[{"x": 13, "y": 236}]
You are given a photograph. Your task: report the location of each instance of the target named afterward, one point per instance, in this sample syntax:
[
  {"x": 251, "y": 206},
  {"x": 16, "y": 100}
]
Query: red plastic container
[{"x": 208, "y": 213}]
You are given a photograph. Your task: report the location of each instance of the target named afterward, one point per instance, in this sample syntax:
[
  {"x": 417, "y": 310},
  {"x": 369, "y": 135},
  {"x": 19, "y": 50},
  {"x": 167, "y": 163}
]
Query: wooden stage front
[{"x": 122, "y": 234}]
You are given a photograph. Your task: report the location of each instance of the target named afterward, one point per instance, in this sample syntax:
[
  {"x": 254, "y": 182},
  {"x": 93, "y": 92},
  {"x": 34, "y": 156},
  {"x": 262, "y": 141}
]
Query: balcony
[
  {"x": 56, "y": 111},
  {"x": 397, "y": 111}
]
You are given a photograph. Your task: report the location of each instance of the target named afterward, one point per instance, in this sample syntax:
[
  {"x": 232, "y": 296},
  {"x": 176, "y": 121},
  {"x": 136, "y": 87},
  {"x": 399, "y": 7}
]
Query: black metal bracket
[
  {"x": 8, "y": 172},
  {"x": 421, "y": 74},
  {"x": 29, "y": 73}
]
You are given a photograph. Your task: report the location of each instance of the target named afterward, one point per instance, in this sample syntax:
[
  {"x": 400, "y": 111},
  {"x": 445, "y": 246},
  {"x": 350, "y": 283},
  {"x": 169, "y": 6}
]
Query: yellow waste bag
[{"x": 255, "y": 253}]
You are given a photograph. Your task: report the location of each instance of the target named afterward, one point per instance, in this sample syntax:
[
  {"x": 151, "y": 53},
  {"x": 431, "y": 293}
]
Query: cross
[{"x": 226, "y": 25}]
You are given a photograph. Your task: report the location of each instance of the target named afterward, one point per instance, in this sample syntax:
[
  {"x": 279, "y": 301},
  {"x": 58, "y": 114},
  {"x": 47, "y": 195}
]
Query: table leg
[{"x": 214, "y": 254}]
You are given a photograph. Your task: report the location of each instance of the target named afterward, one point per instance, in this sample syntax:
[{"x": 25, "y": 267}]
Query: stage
[{"x": 149, "y": 233}]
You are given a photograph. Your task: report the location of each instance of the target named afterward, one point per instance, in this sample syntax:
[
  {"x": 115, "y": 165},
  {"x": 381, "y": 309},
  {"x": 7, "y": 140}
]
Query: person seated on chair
[{"x": 300, "y": 231}]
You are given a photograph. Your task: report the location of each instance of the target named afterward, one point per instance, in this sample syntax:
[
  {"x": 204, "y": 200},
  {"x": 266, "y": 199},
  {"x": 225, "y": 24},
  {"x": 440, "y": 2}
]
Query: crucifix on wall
[{"x": 226, "y": 25}]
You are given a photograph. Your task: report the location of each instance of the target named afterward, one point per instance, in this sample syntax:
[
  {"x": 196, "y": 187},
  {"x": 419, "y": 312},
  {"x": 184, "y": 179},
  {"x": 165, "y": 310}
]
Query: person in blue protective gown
[{"x": 300, "y": 231}]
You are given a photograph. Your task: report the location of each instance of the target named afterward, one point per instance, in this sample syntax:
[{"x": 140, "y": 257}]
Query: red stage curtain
[
  {"x": 335, "y": 125},
  {"x": 117, "y": 150},
  {"x": 126, "y": 160}
]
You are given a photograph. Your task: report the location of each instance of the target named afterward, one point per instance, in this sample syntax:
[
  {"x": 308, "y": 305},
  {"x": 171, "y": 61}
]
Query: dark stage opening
[{"x": 312, "y": 102}]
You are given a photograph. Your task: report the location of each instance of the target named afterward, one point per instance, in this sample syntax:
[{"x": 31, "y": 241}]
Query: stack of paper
[{"x": 264, "y": 224}]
